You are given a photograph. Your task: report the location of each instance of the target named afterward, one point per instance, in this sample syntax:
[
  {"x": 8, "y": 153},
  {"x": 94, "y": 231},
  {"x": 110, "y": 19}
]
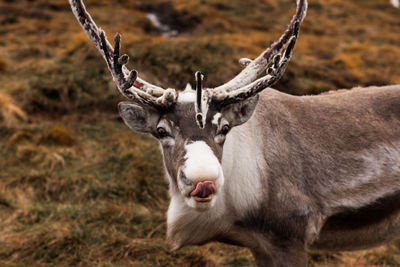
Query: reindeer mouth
[{"x": 204, "y": 191}]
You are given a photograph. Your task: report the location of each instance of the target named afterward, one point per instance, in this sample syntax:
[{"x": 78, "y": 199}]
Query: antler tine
[
  {"x": 128, "y": 83},
  {"x": 116, "y": 63},
  {"x": 254, "y": 68},
  {"x": 274, "y": 73}
]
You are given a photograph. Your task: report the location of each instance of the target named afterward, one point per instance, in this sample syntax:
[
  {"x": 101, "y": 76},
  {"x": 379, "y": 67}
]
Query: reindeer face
[{"x": 192, "y": 155}]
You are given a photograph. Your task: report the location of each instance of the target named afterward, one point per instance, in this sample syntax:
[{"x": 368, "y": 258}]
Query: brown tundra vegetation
[{"x": 78, "y": 188}]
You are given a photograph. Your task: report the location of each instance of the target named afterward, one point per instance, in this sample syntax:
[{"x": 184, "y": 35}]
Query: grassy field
[{"x": 77, "y": 188}]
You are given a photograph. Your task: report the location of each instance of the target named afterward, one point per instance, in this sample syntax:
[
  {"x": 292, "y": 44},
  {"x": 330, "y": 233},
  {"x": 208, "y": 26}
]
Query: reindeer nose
[
  {"x": 184, "y": 179},
  {"x": 200, "y": 164}
]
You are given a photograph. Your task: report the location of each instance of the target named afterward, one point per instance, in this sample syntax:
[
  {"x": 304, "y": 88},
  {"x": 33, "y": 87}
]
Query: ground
[{"x": 77, "y": 187}]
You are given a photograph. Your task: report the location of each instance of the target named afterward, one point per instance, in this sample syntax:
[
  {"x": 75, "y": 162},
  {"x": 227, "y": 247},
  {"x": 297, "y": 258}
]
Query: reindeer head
[{"x": 192, "y": 125}]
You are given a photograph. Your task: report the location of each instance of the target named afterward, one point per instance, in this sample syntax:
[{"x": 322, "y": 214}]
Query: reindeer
[{"x": 279, "y": 174}]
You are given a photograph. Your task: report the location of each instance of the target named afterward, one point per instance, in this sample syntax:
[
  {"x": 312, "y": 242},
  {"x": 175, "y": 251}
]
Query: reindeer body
[{"x": 320, "y": 172}]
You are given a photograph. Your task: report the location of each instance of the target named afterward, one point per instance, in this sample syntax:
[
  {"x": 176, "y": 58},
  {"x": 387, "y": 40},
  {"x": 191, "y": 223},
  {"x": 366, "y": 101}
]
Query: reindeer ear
[
  {"x": 239, "y": 113},
  {"x": 141, "y": 119}
]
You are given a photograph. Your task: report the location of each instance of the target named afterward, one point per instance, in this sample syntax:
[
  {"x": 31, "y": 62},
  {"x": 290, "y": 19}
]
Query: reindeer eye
[
  {"x": 161, "y": 132},
  {"x": 225, "y": 129}
]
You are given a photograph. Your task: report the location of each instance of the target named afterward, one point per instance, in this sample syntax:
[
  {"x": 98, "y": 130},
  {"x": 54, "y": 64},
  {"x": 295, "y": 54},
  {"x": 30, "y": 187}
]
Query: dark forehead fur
[{"x": 183, "y": 117}]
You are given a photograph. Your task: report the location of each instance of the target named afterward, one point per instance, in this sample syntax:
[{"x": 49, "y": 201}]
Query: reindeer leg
[
  {"x": 289, "y": 257},
  {"x": 262, "y": 259},
  {"x": 290, "y": 253}
]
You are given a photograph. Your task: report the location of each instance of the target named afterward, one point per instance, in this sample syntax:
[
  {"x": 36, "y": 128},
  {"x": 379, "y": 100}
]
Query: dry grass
[
  {"x": 3, "y": 65},
  {"x": 11, "y": 115},
  {"x": 77, "y": 188},
  {"x": 57, "y": 135}
]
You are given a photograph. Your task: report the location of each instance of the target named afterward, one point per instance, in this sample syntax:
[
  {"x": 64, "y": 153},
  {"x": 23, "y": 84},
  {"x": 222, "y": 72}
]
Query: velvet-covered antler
[
  {"x": 275, "y": 60},
  {"x": 127, "y": 81}
]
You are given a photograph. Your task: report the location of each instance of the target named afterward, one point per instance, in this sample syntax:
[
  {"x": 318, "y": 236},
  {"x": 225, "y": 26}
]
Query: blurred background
[{"x": 77, "y": 187}]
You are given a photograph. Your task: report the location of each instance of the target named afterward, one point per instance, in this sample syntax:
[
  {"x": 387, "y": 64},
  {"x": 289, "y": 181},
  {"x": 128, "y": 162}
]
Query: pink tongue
[{"x": 203, "y": 189}]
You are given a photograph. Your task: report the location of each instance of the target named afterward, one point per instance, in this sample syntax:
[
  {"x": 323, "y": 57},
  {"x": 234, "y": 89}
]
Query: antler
[
  {"x": 127, "y": 81},
  {"x": 202, "y": 101},
  {"x": 243, "y": 85}
]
